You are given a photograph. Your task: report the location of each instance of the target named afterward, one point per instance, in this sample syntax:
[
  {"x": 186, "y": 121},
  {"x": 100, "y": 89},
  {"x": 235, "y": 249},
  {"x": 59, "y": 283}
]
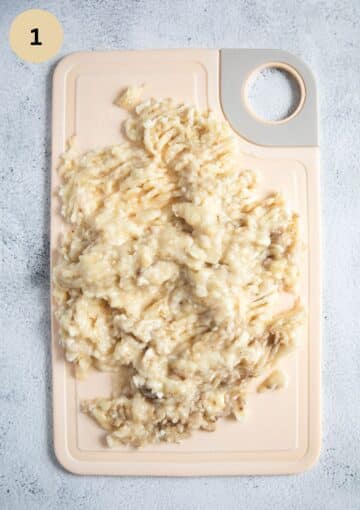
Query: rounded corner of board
[
  {"x": 66, "y": 462},
  {"x": 311, "y": 456},
  {"x": 67, "y": 62},
  {"x": 310, "y": 460}
]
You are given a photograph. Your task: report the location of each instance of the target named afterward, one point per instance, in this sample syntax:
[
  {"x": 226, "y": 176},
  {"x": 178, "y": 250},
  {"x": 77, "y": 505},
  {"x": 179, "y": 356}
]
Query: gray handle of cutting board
[{"x": 236, "y": 66}]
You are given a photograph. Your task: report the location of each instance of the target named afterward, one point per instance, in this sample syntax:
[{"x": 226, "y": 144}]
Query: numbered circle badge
[{"x": 36, "y": 35}]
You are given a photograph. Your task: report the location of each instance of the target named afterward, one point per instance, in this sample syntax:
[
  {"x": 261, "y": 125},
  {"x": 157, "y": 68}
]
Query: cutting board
[{"x": 281, "y": 433}]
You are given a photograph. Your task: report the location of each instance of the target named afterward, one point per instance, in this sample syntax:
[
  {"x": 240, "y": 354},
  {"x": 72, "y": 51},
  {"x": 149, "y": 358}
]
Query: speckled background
[{"x": 326, "y": 35}]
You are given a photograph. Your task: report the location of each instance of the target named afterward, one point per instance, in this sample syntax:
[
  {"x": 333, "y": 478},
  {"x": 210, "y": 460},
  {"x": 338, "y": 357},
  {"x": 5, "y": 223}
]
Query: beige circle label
[{"x": 36, "y": 35}]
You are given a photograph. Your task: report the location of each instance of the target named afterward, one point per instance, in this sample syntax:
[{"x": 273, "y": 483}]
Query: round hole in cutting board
[{"x": 274, "y": 94}]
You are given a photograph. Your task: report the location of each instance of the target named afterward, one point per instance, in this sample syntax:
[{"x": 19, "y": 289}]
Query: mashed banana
[{"x": 170, "y": 272}]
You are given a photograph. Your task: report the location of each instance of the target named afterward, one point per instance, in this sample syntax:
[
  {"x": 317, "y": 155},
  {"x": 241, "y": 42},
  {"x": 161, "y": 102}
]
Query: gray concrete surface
[{"x": 326, "y": 35}]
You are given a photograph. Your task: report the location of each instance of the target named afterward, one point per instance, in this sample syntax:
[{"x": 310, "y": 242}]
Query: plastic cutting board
[{"x": 282, "y": 431}]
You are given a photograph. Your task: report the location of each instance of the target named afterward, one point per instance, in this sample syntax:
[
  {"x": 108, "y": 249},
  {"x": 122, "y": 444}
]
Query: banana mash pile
[{"x": 170, "y": 273}]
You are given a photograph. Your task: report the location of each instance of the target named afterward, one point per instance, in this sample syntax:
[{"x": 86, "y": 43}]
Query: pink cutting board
[{"x": 281, "y": 433}]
